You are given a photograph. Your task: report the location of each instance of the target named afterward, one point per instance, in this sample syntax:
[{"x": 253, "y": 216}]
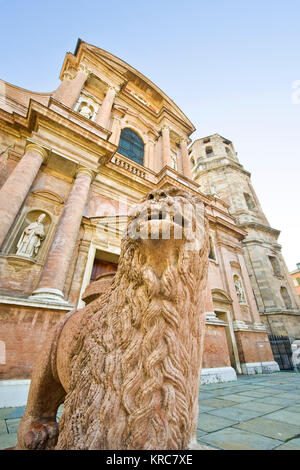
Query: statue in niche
[
  {"x": 239, "y": 290},
  {"x": 127, "y": 366},
  {"x": 31, "y": 238},
  {"x": 86, "y": 111}
]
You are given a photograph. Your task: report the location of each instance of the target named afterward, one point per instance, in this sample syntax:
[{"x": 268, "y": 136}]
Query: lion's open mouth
[{"x": 158, "y": 214}]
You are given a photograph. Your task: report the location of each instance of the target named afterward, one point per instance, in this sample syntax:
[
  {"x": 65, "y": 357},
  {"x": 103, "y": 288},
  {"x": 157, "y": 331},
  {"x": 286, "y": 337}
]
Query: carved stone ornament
[
  {"x": 86, "y": 111},
  {"x": 127, "y": 366},
  {"x": 31, "y": 238}
]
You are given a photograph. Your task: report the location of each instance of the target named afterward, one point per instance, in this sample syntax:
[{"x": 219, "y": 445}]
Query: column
[
  {"x": 185, "y": 160},
  {"x": 55, "y": 271},
  {"x": 166, "y": 149},
  {"x": 115, "y": 131},
  {"x": 149, "y": 154},
  {"x": 17, "y": 185},
  {"x": 69, "y": 90},
  {"x": 103, "y": 114}
]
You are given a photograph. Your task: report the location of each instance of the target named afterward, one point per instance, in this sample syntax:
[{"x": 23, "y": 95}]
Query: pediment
[
  {"x": 114, "y": 224},
  {"x": 219, "y": 295},
  {"x": 46, "y": 194}
]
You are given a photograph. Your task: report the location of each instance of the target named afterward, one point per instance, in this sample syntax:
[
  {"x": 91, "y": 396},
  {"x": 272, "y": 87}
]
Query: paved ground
[{"x": 260, "y": 412}]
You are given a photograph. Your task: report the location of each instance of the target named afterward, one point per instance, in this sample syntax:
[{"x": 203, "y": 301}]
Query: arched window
[
  {"x": 131, "y": 146},
  {"x": 285, "y": 297},
  {"x": 209, "y": 151},
  {"x": 211, "y": 249},
  {"x": 249, "y": 201},
  {"x": 275, "y": 265},
  {"x": 228, "y": 151}
]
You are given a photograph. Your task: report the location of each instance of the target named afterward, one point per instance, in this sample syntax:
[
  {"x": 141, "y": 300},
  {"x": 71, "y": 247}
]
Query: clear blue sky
[{"x": 229, "y": 65}]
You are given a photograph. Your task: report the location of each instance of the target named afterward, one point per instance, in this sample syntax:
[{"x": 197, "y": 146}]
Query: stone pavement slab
[
  {"x": 236, "y": 414},
  {"x": 8, "y": 440},
  {"x": 291, "y": 396},
  {"x": 286, "y": 417},
  {"x": 237, "y": 439},
  {"x": 275, "y": 400},
  {"x": 210, "y": 423},
  {"x": 4, "y": 412},
  {"x": 16, "y": 412},
  {"x": 236, "y": 398},
  {"x": 216, "y": 402},
  {"x": 3, "y": 428},
  {"x": 204, "y": 395},
  {"x": 254, "y": 405},
  {"x": 293, "y": 409},
  {"x": 256, "y": 393},
  {"x": 12, "y": 425},
  {"x": 267, "y": 427},
  {"x": 204, "y": 408},
  {"x": 294, "y": 444}
]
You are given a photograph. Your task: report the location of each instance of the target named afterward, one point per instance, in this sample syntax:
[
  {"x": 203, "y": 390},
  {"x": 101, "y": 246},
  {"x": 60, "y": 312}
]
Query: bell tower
[{"x": 216, "y": 168}]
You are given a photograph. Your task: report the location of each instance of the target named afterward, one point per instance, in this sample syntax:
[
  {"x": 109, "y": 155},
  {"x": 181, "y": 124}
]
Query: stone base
[
  {"x": 217, "y": 374},
  {"x": 48, "y": 295},
  {"x": 13, "y": 393},
  {"x": 250, "y": 368}
]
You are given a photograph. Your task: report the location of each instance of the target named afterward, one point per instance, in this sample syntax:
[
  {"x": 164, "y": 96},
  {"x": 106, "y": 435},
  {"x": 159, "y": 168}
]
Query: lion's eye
[{"x": 150, "y": 196}]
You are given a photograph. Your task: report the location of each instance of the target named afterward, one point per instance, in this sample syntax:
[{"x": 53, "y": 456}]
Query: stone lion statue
[{"x": 127, "y": 366}]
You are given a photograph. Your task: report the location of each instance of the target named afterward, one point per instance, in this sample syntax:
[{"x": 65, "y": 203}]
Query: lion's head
[{"x": 165, "y": 229}]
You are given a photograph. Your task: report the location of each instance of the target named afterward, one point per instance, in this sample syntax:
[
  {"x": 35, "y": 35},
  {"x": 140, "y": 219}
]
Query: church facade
[{"x": 73, "y": 162}]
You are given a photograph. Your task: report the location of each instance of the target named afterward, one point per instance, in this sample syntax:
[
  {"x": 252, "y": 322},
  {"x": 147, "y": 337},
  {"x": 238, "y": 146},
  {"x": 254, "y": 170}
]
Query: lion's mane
[{"x": 136, "y": 364}]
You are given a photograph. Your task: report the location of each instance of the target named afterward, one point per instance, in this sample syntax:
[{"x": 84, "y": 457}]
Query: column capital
[
  {"x": 165, "y": 127},
  {"x": 36, "y": 148},
  {"x": 84, "y": 68},
  {"x": 183, "y": 140},
  {"x": 112, "y": 88},
  {"x": 67, "y": 75},
  {"x": 82, "y": 170}
]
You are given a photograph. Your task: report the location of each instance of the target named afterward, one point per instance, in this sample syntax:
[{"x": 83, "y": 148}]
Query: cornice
[
  {"x": 234, "y": 165},
  {"x": 232, "y": 227},
  {"x": 260, "y": 227}
]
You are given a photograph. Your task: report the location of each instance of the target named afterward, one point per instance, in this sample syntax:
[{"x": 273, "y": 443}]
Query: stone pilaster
[
  {"x": 149, "y": 154},
  {"x": 52, "y": 281},
  {"x": 166, "y": 148},
  {"x": 249, "y": 292},
  {"x": 69, "y": 90},
  {"x": 103, "y": 114},
  {"x": 186, "y": 166},
  {"x": 17, "y": 185},
  {"x": 115, "y": 131}
]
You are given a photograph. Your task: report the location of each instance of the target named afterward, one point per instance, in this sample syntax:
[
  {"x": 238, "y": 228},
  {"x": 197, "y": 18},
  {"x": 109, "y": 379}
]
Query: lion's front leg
[
  {"x": 38, "y": 428},
  {"x": 37, "y": 433}
]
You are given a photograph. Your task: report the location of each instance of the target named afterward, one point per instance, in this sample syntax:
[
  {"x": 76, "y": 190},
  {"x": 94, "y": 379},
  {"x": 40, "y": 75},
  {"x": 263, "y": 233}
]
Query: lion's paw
[{"x": 38, "y": 434}]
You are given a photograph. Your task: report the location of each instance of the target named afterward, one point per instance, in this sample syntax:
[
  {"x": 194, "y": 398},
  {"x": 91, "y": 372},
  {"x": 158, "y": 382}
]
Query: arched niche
[
  {"x": 28, "y": 217},
  {"x": 239, "y": 288}
]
